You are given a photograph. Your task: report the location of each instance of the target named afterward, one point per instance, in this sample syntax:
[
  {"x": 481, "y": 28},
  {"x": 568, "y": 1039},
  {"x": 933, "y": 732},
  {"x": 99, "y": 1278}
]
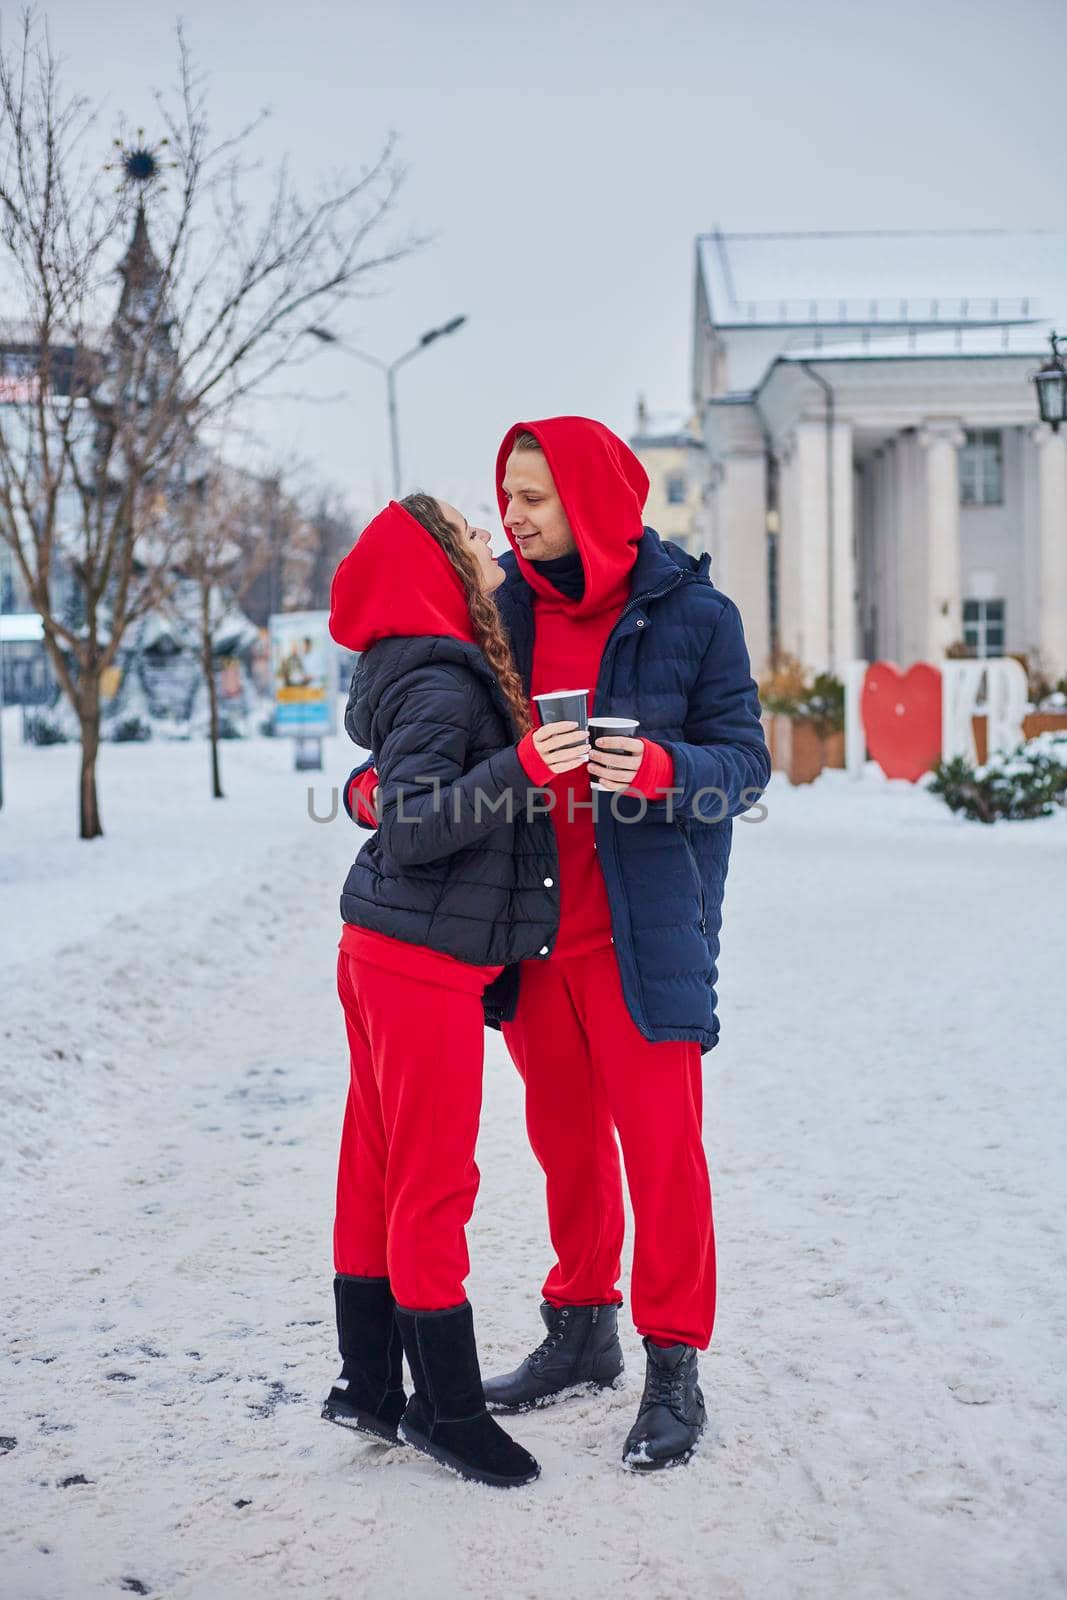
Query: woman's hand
[{"x": 558, "y": 748}]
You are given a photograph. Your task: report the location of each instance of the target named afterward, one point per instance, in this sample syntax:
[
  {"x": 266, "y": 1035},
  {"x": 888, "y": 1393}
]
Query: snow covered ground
[{"x": 885, "y": 1127}]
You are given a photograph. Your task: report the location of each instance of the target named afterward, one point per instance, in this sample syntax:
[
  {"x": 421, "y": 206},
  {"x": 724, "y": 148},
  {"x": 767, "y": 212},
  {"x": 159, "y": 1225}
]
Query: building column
[
  {"x": 741, "y": 546},
  {"x": 1052, "y": 547},
  {"x": 941, "y": 439},
  {"x": 805, "y": 598},
  {"x": 843, "y": 641},
  {"x": 792, "y": 637}
]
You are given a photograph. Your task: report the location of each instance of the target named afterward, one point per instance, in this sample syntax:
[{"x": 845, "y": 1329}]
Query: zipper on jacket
[
  {"x": 631, "y": 605},
  {"x": 684, "y": 827},
  {"x": 651, "y": 594}
]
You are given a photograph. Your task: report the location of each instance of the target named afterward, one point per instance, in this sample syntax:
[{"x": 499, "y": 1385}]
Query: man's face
[{"x": 535, "y": 517}]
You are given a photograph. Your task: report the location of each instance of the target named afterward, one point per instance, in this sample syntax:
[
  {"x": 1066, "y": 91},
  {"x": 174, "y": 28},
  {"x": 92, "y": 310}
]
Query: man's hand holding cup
[{"x": 616, "y": 754}]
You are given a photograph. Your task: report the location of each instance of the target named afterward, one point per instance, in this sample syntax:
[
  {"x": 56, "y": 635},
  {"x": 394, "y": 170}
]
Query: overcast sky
[{"x": 565, "y": 160}]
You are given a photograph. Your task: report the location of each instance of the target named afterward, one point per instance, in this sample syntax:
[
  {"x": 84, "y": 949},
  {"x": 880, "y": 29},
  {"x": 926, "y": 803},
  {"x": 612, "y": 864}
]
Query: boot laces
[
  {"x": 552, "y": 1340},
  {"x": 665, "y": 1388}
]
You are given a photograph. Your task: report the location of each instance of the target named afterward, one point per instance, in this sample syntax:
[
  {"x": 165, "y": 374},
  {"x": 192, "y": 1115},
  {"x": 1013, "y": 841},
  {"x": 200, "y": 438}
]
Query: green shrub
[
  {"x": 824, "y": 705},
  {"x": 786, "y": 690},
  {"x": 1030, "y": 782}
]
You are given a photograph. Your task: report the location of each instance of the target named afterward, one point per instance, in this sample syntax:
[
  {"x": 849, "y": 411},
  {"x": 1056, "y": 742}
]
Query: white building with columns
[{"x": 877, "y": 482}]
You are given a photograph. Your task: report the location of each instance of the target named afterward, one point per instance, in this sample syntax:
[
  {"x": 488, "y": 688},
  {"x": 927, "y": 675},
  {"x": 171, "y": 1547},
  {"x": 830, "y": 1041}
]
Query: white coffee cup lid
[
  {"x": 556, "y": 694},
  {"x": 614, "y": 722}
]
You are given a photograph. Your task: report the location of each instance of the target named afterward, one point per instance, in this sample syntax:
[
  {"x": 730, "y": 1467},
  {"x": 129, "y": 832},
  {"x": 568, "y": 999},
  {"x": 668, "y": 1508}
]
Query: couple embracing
[{"x": 498, "y": 887}]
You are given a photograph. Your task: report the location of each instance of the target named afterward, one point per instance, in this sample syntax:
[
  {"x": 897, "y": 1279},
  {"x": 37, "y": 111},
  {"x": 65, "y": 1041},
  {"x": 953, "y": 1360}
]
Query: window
[
  {"x": 982, "y": 468},
  {"x": 676, "y": 489},
  {"x": 983, "y": 626}
]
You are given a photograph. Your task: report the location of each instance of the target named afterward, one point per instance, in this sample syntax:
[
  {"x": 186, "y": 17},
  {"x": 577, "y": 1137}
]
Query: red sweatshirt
[{"x": 603, "y": 488}]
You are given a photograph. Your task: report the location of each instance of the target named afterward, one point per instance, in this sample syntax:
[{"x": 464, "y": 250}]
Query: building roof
[
  {"x": 987, "y": 278},
  {"x": 920, "y": 343},
  {"x": 664, "y": 429}
]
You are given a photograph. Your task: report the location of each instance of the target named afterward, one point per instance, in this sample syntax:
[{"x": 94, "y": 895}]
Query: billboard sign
[{"x": 303, "y": 673}]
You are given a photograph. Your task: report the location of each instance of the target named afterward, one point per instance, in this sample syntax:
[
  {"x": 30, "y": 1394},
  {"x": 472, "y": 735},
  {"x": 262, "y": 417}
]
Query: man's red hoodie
[{"x": 603, "y": 488}]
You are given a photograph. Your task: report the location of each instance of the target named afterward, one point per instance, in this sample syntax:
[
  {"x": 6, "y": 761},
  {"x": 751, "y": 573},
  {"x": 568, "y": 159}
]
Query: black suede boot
[
  {"x": 671, "y": 1416},
  {"x": 581, "y": 1352},
  {"x": 446, "y": 1416},
  {"x": 369, "y": 1394}
]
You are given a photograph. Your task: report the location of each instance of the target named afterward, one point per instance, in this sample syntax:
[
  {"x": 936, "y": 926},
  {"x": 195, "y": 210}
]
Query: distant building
[
  {"x": 878, "y": 484},
  {"x": 671, "y": 450}
]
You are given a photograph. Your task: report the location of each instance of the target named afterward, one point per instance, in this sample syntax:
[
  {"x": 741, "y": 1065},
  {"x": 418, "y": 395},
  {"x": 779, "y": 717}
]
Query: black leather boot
[
  {"x": 369, "y": 1394},
  {"x": 581, "y": 1352},
  {"x": 671, "y": 1416},
  {"x": 446, "y": 1416}
]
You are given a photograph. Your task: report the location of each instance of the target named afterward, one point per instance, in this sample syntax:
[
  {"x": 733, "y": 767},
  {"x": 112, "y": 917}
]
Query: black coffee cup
[
  {"x": 610, "y": 728},
  {"x": 564, "y": 705}
]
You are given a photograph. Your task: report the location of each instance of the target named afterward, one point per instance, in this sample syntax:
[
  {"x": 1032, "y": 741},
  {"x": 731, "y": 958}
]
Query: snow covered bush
[
  {"x": 1030, "y": 782},
  {"x": 824, "y": 705},
  {"x": 44, "y": 727},
  {"x": 130, "y": 730}
]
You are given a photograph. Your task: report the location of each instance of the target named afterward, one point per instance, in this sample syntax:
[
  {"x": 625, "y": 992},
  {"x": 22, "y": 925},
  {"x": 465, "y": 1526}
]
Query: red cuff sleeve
[
  {"x": 655, "y": 773},
  {"x": 534, "y": 764},
  {"x": 360, "y": 792}
]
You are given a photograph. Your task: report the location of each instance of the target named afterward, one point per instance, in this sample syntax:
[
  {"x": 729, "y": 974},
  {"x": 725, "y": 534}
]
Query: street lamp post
[
  {"x": 1051, "y": 386},
  {"x": 390, "y": 370}
]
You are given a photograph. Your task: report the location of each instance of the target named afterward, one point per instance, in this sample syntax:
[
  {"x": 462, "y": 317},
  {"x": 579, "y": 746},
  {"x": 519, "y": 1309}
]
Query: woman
[{"x": 458, "y": 880}]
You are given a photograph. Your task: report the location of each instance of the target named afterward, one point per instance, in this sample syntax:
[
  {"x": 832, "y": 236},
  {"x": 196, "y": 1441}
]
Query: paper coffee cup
[
  {"x": 610, "y": 728},
  {"x": 565, "y": 705}
]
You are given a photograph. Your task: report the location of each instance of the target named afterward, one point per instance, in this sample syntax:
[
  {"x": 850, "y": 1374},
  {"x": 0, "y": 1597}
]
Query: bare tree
[
  {"x": 333, "y": 530},
  {"x": 220, "y": 558},
  {"x": 249, "y": 542},
  {"x": 274, "y": 540},
  {"x": 103, "y": 410}
]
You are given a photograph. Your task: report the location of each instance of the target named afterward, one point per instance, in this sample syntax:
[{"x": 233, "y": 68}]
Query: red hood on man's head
[
  {"x": 396, "y": 582},
  {"x": 603, "y": 488}
]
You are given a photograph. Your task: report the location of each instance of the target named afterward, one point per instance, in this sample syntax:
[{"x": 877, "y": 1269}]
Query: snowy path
[{"x": 885, "y": 1127}]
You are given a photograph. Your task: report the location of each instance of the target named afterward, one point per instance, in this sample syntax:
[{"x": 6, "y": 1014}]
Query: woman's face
[{"x": 490, "y": 572}]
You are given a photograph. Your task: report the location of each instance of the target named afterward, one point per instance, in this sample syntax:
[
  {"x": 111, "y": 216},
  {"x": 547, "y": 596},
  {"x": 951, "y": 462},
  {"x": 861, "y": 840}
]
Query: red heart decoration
[{"x": 901, "y": 714}]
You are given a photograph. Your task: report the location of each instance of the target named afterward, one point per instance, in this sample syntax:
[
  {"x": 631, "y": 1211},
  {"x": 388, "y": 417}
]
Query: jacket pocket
[{"x": 683, "y": 828}]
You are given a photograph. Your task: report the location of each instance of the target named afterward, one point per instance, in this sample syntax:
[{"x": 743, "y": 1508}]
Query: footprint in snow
[{"x": 277, "y": 1395}]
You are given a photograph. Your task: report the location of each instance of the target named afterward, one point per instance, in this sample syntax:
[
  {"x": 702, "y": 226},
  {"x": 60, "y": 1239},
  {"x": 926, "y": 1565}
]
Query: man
[{"x": 607, "y": 1027}]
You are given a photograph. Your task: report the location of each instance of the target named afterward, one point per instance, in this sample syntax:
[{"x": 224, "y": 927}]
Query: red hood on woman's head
[
  {"x": 603, "y": 488},
  {"x": 396, "y": 582}
]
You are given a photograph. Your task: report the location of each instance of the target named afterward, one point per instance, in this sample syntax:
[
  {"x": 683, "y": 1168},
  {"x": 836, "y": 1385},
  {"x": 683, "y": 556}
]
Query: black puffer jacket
[{"x": 444, "y": 869}]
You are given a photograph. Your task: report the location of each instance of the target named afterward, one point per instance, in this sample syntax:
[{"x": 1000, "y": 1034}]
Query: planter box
[
  {"x": 797, "y": 750},
  {"x": 1034, "y": 723}
]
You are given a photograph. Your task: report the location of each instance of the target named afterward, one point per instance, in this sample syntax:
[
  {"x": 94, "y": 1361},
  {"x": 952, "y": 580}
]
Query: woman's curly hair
[{"x": 488, "y": 629}]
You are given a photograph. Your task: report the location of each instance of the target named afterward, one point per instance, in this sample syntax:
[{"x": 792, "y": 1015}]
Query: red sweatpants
[
  {"x": 589, "y": 1073},
  {"x": 406, "y": 1178}
]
